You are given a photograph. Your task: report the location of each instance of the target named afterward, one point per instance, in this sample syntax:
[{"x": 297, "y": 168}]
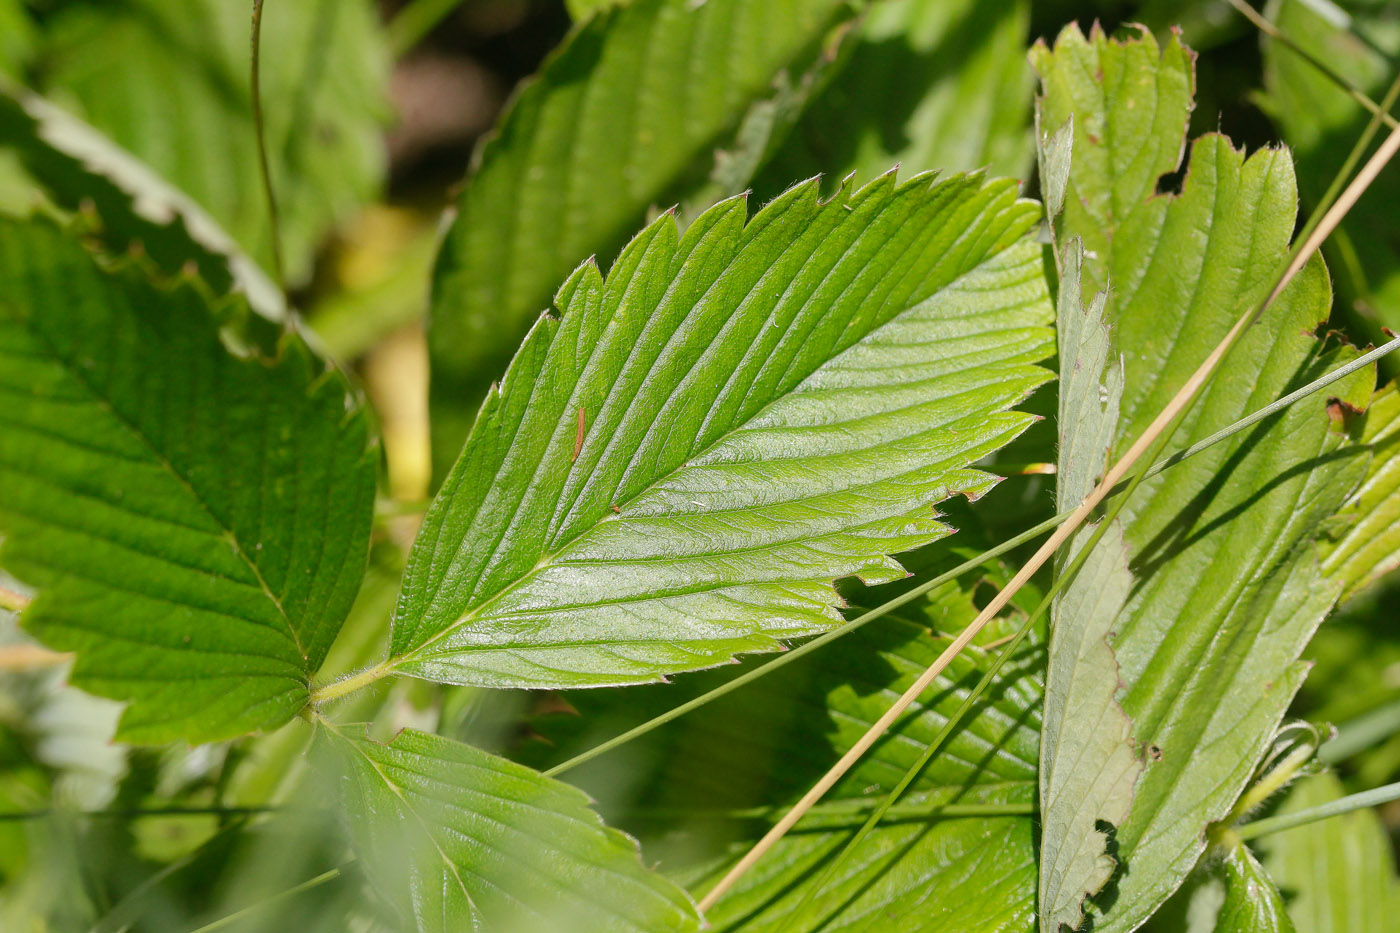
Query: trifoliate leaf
[
  {"x": 1223, "y": 546},
  {"x": 459, "y": 839},
  {"x": 196, "y": 522},
  {"x": 677, "y": 467}
]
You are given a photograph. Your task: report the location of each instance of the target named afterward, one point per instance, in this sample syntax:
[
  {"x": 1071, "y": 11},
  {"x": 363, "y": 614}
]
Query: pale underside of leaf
[
  {"x": 1229, "y": 588},
  {"x": 460, "y": 839},
  {"x": 196, "y": 523},
  {"x": 138, "y": 209},
  {"x": 766, "y": 408},
  {"x": 1088, "y": 766},
  {"x": 625, "y": 117}
]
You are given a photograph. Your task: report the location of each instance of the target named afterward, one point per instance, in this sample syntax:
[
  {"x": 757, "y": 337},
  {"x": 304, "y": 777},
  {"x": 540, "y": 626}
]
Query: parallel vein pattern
[
  {"x": 197, "y": 523},
  {"x": 625, "y": 117},
  {"x": 765, "y": 408},
  {"x": 460, "y": 839},
  {"x": 1229, "y": 588}
]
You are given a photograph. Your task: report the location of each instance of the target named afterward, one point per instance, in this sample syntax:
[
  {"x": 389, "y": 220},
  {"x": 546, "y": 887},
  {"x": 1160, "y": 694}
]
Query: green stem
[
  {"x": 838, "y": 813},
  {"x": 415, "y": 21},
  {"x": 1008, "y": 545},
  {"x": 1270, "y": 784},
  {"x": 135, "y": 813},
  {"x": 1282, "y": 38},
  {"x": 1274, "y": 824},
  {"x": 255, "y": 79},
  {"x": 349, "y": 684},
  {"x": 279, "y": 896}
]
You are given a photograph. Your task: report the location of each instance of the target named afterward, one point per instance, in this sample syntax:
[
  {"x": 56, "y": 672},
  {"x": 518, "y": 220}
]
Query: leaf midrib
[{"x": 547, "y": 559}]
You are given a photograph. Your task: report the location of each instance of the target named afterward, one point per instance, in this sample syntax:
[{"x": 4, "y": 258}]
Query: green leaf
[
  {"x": 460, "y": 839},
  {"x": 196, "y": 521},
  {"x": 1321, "y": 121},
  {"x": 168, "y": 81},
  {"x": 82, "y": 170},
  {"x": 1252, "y": 903},
  {"x": 677, "y": 468},
  {"x": 1088, "y": 765},
  {"x": 1369, "y": 546},
  {"x": 924, "y": 867},
  {"x": 927, "y": 84},
  {"x": 1223, "y": 546},
  {"x": 1335, "y": 874},
  {"x": 624, "y": 117},
  {"x": 713, "y": 781}
]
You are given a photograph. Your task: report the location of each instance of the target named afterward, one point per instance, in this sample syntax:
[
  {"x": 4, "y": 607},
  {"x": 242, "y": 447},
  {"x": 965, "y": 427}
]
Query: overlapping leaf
[
  {"x": 677, "y": 468},
  {"x": 168, "y": 81},
  {"x": 624, "y": 117},
  {"x": 460, "y": 839},
  {"x": 1223, "y": 546},
  {"x": 135, "y": 209},
  {"x": 196, "y": 522},
  {"x": 1088, "y": 767},
  {"x": 1369, "y": 546}
]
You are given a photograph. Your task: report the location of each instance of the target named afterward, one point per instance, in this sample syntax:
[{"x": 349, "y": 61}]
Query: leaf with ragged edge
[
  {"x": 625, "y": 116},
  {"x": 925, "y": 84},
  {"x": 196, "y": 522},
  {"x": 1229, "y": 589},
  {"x": 1252, "y": 902},
  {"x": 677, "y": 468},
  {"x": 168, "y": 81},
  {"x": 1369, "y": 546},
  {"x": 1321, "y": 121},
  {"x": 1335, "y": 874},
  {"x": 460, "y": 839},
  {"x": 136, "y": 209},
  {"x": 1088, "y": 766}
]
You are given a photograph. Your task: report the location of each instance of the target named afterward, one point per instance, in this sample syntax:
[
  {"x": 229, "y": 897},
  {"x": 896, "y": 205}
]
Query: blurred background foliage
[{"x": 374, "y": 111}]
